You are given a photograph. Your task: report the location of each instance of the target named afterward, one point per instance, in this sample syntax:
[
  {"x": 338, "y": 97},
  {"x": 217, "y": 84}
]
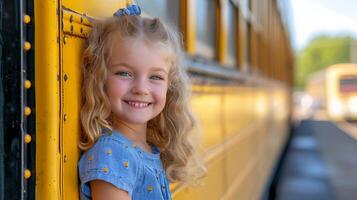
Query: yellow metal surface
[
  {"x": 242, "y": 139},
  {"x": 47, "y": 101},
  {"x": 212, "y": 131},
  {"x": 222, "y": 31},
  {"x": 91, "y": 7},
  {"x": 71, "y": 56},
  {"x": 188, "y": 26},
  {"x": 75, "y": 24}
]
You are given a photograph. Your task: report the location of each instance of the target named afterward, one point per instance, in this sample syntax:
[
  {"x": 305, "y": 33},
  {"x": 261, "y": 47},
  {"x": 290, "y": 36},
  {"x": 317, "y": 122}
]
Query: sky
[{"x": 313, "y": 17}]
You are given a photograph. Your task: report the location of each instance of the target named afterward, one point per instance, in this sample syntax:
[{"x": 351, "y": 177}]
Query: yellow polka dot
[
  {"x": 150, "y": 188},
  {"x": 105, "y": 170},
  {"x": 126, "y": 164},
  {"x": 134, "y": 145},
  {"x": 109, "y": 151}
]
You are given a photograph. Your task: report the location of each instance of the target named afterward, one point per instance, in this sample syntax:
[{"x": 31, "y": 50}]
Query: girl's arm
[{"x": 102, "y": 190}]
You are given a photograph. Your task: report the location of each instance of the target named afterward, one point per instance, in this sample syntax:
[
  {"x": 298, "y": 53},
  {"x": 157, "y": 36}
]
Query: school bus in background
[
  {"x": 334, "y": 90},
  {"x": 239, "y": 59}
]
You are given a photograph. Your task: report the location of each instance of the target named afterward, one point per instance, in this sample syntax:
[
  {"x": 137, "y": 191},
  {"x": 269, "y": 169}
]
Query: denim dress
[{"x": 117, "y": 160}]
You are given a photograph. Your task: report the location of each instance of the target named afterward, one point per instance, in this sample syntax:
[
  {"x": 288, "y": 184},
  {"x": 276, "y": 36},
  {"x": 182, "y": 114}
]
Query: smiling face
[{"x": 137, "y": 81}]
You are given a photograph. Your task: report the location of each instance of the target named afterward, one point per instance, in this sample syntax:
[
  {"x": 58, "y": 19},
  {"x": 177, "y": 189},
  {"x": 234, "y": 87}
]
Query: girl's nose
[{"x": 140, "y": 87}]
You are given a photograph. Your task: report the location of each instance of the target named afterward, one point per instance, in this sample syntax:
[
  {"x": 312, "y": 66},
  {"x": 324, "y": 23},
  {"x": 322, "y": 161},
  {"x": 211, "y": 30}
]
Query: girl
[{"x": 135, "y": 116}]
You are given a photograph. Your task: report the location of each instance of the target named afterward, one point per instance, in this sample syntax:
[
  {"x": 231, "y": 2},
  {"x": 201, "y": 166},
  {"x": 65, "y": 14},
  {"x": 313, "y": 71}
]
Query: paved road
[
  {"x": 321, "y": 163},
  {"x": 339, "y": 151}
]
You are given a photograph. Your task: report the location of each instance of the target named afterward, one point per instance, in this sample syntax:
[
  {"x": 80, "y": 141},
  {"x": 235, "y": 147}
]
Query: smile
[{"x": 138, "y": 104}]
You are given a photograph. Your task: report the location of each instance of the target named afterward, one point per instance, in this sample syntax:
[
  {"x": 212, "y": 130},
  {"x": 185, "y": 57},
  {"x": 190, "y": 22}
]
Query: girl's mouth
[{"x": 138, "y": 104}]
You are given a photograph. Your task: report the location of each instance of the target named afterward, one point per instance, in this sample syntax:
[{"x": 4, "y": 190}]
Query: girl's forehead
[
  {"x": 130, "y": 47},
  {"x": 139, "y": 41}
]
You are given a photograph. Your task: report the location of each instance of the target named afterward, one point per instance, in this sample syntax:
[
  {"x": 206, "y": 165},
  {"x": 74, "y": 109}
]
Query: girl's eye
[
  {"x": 155, "y": 77},
  {"x": 125, "y": 74}
]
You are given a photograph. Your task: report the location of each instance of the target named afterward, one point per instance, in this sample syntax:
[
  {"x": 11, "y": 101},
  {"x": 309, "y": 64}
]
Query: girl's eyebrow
[
  {"x": 121, "y": 64},
  {"x": 154, "y": 69},
  {"x": 158, "y": 69}
]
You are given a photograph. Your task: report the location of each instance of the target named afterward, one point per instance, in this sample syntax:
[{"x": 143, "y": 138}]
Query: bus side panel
[
  {"x": 47, "y": 100},
  {"x": 244, "y": 130},
  {"x": 72, "y": 51},
  {"x": 72, "y": 41}
]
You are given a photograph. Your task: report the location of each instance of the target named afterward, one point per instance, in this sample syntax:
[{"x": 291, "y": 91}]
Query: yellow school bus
[
  {"x": 240, "y": 61},
  {"x": 334, "y": 91}
]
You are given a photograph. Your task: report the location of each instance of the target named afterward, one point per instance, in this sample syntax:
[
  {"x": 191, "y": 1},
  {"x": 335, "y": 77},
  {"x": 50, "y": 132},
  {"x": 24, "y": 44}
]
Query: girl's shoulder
[
  {"x": 114, "y": 139},
  {"x": 111, "y": 144},
  {"x": 110, "y": 159}
]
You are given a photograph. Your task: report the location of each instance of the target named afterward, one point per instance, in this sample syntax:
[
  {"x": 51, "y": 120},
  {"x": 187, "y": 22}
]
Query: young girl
[{"x": 135, "y": 117}]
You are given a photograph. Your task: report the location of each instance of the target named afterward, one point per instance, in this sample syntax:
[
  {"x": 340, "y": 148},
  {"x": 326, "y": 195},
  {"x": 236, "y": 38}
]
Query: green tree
[{"x": 321, "y": 52}]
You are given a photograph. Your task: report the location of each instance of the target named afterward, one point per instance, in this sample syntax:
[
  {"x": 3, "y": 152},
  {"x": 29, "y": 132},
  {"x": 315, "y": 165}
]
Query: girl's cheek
[
  {"x": 163, "y": 95},
  {"x": 117, "y": 85},
  {"x": 161, "y": 89}
]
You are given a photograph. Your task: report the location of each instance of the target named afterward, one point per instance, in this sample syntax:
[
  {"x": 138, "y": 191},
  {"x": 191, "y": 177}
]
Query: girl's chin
[
  {"x": 137, "y": 119},
  {"x": 136, "y": 122}
]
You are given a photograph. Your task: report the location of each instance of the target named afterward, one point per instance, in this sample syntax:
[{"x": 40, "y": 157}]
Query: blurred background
[
  {"x": 324, "y": 33},
  {"x": 274, "y": 94},
  {"x": 320, "y": 161}
]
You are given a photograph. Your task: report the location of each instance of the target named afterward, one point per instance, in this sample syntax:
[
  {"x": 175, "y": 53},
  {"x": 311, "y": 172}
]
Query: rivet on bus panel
[
  {"x": 27, "y": 84},
  {"x": 27, "y": 174},
  {"x": 65, "y": 158},
  {"x": 28, "y": 138},
  {"x": 27, "y": 46},
  {"x": 65, "y": 77},
  {"x": 65, "y": 39},
  {"x": 27, "y": 111},
  {"x": 27, "y": 19},
  {"x": 65, "y": 117}
]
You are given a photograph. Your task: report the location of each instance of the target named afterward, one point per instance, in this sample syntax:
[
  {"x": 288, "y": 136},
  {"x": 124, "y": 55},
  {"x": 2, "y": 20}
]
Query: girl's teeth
[{"x": 137, "y": 104}]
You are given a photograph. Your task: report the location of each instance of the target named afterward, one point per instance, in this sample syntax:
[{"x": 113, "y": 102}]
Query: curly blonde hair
[{"x": 171, "y": 129}]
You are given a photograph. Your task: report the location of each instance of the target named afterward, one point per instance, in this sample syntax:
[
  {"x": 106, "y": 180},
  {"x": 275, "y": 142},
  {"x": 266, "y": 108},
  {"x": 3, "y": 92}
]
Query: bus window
[
  {"x": 167, "y": 10},
  {"x": 231, "y": 52},
  {"x": 348, "y": 84},
  {"x": 205, "y": 28}
]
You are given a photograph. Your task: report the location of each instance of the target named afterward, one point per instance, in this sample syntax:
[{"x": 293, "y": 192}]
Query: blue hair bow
[{"x": 129, "y": 10}]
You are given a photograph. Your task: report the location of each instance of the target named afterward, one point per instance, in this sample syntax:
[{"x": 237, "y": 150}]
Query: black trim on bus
[
  {"x": 30, "y": 158},
  {"x": 16, "y": 66},
  {"x": 11, "y": 113},
  {"x": 207, "y": 72},
  {"x": 212, "y": 69}
]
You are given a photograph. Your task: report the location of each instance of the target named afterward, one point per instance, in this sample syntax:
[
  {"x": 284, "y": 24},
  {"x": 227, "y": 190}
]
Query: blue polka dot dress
[{"x": 117, "y": 160}]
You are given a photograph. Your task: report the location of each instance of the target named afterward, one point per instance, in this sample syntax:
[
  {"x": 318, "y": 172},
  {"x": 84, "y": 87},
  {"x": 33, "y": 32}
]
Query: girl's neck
[{"x": 136, "y": 133}]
